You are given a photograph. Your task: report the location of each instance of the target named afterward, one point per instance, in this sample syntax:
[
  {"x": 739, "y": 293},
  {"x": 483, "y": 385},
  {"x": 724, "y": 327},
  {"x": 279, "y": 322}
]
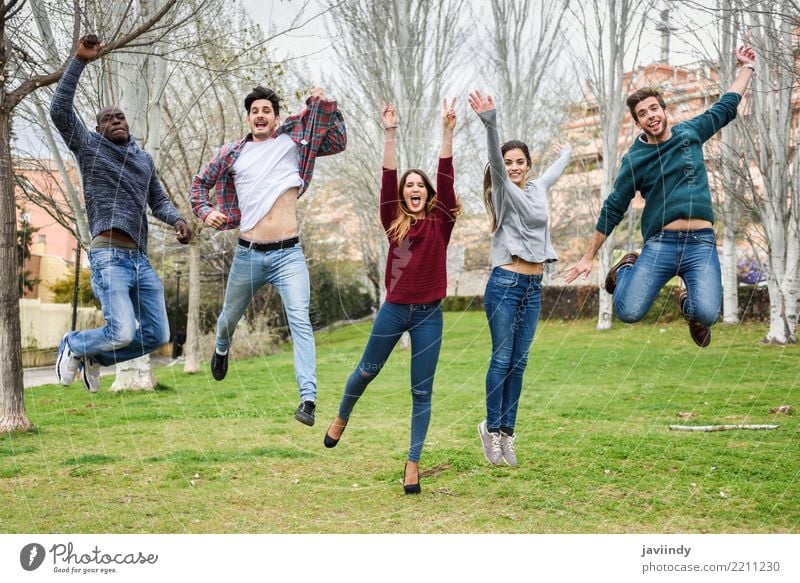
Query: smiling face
[
  {"x": 415, "y": 195},
  {"x": 651, "y": 118},
  {"x": 262, "y": 119},
  {"x": 517, "y": 166},
  {"x": 113, "y": 125}
]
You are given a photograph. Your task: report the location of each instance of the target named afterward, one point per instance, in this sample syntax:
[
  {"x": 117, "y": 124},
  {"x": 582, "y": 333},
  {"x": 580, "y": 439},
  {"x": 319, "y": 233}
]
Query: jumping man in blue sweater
[
  {"x": 119, "y": 183},
  {"x": 666, "y": 165}
]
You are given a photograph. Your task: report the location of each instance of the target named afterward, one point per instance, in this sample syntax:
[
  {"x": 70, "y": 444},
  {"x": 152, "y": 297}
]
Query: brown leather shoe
[
  {"x": 611, "y": 278},
  {"x": 700, "y": 333}
]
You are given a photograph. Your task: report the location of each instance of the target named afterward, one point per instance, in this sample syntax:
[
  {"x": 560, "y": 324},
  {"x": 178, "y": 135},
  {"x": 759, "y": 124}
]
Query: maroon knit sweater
[{"x": 416, "y": 269}]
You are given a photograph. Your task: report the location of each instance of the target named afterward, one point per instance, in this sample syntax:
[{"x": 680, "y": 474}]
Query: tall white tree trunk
[
  {"x": 191, "y": 349},
  {"x": 141, "y": 81},
  {"x": 611, "y": 29},
  {"x": 774, "y": 81},
  {"x": 731, "y": 184}
]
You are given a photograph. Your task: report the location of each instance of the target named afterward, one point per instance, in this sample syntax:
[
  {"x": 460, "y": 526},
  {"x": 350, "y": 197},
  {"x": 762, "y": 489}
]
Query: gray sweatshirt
[
  {"x": 522, "y": 216},
  {"x": 119, "y": 181}
]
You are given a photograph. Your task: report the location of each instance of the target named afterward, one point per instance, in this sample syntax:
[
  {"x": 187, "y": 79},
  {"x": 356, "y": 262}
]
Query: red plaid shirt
[{"x": 318, "y": 130}]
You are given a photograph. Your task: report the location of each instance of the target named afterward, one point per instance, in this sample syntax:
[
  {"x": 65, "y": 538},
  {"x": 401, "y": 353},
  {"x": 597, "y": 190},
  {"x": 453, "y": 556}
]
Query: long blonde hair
[{"x": 401, "y": 224}]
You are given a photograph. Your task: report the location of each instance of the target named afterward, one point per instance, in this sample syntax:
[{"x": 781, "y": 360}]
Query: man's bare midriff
[
  {"x": 688, "y": 225},
  {"x": 518, "y": 265},
  {"x": 279, "y": 223},
  {"x": 115, "y": 235}
]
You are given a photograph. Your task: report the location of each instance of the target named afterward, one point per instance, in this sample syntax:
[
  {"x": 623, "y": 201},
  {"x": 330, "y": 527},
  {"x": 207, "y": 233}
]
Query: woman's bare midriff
[
  {"x": 688, "y": 225},
  {"x": 518, "y": 265},
  {"x": 279, "y": 223}
]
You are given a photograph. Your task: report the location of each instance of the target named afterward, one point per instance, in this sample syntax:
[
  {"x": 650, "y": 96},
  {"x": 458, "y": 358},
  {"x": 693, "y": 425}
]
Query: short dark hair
[
  {"x": 642, "y": 94},
  {"x": 263, "y": 93}
]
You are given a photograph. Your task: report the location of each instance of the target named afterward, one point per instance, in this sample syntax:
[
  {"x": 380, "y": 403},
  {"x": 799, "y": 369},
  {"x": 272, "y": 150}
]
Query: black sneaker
[
  {"x": 305, "y": 413},
  {"x": 219, "y": 365}
]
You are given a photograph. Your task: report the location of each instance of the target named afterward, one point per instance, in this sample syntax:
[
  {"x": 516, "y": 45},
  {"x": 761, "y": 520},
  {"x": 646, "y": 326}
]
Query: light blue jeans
[
  {"x": 512, "y": 302},
  {"x": 692, "y": 255},
  {"x": 132, "y": 298},
  {"x": 286, "y": 270},
  {"x": 424, "y": 325}
]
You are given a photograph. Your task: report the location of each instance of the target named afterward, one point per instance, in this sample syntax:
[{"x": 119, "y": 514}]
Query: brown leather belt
[{"x": 269, "y": 246}]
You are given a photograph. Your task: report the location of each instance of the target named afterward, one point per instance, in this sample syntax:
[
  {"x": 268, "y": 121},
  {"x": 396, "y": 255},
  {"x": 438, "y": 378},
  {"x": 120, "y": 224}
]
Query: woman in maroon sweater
[{"x": 418, "y": 221}]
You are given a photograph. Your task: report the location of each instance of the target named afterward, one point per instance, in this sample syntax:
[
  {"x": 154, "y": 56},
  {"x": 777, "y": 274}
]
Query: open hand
[
  {"x": 582, "y": 267},
  {"x": 479, "y": 103}
]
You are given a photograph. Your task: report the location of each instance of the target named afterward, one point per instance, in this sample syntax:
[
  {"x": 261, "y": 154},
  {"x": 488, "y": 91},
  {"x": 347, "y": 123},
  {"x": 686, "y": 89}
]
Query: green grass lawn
[{"x": 596, "y": 454}]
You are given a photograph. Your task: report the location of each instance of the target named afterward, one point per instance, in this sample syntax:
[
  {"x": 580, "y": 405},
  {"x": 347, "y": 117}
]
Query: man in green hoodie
[{"x": 666, "y": 165}]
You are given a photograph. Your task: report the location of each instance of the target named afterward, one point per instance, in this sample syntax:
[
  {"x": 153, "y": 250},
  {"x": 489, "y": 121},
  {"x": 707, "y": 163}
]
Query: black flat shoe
[
  {"x": 331, "y": 442},
  {"x": 411, "y": 488}
]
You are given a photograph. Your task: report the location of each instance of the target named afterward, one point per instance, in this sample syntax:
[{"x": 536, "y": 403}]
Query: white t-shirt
[{"x": 262, "y": 173}]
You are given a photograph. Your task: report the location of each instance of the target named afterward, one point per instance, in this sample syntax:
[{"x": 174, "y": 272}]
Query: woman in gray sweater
[{"x": 520, "y": 248}]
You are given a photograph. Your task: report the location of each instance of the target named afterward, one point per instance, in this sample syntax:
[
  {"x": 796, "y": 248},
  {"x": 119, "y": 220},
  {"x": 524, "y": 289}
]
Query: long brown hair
[
  {"x": 487, "y": 176},
  {"x": 400, "y": 226}
]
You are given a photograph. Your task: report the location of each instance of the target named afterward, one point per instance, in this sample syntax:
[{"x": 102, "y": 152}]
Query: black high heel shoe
[
  {"x": 331, "y": 442},
  {"x": 411, "y": 488}
]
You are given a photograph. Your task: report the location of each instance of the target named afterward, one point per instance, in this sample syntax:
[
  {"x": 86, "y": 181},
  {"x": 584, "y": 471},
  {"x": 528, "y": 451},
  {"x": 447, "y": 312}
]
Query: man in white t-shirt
[{"x": 258, "y": 180}]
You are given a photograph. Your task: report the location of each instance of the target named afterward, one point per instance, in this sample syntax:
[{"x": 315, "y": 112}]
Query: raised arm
[
  {"x": 335, "y": 138},
  {"x": 449, "y": 124},
  {"x": 388, "y": 202},
  {"x": 746, "y": 58},
  {"x": 556, "y": 169},
  {"x": 62, "y": 108},
  {"x": 484, "y": 107},
  {"x": 445, "y": 175},
  {"x": 389, "y": 121}
]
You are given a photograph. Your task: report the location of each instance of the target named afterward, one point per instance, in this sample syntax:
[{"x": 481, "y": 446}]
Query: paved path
[{"x": 46, "y": 375}]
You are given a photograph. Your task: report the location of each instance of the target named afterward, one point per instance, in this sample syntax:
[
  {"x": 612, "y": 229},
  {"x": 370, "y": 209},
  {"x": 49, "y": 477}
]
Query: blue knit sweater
[
  {"x": 671, "y": 175},
  {"x": 119, "y": 181}
]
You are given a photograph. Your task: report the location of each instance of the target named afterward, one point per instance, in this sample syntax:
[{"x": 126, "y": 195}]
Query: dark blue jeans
[
  {"x": 690, "y": 254},
  {"x": 512, "y": 301},
  {"x": 424, "y": 324}
]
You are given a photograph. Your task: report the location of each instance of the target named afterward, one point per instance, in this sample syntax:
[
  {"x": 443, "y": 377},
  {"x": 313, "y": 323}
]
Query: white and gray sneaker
[
  {"x": 90, "y": 374},
  {"x": 67, "y": 364},
  {"x": 507, "y": 447},
  {"x": 491, "y": 444}
]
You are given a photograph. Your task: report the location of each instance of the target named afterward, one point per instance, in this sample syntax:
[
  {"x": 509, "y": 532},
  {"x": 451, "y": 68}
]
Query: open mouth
[
  {"x": 261, "y": 125},
  {"x": 415, "y": 199}
]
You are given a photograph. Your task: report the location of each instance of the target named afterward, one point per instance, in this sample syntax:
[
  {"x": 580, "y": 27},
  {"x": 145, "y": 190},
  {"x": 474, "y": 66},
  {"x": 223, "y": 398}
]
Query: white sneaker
[
  {"x": 491, "y": 444},
  {"x": 507, "y": 447},
  {"x": 90, "y": 373},
  {"x": 67, "y": 364}
]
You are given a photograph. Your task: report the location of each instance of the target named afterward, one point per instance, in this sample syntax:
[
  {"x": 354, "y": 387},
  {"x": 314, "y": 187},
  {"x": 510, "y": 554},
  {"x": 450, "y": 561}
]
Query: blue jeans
[
  {"x": 286, "y": 270},
  {"x": 690, "y": 254},
  {"x": 132, "y": 298},
  {"x": 512, "y": 301},
  {"x": 424, "y": 325}
]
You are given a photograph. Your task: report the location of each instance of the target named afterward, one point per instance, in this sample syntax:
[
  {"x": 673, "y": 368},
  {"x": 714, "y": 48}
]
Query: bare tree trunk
[
  {"x": 12, "y": 412},
  {"x": 137, "y": 76},
  {"x": 730, "y": 181},
  {"x": 772, "y": 113},
  {"x": 191, "y": 350},
  {"x": 618, "y": 27}
]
